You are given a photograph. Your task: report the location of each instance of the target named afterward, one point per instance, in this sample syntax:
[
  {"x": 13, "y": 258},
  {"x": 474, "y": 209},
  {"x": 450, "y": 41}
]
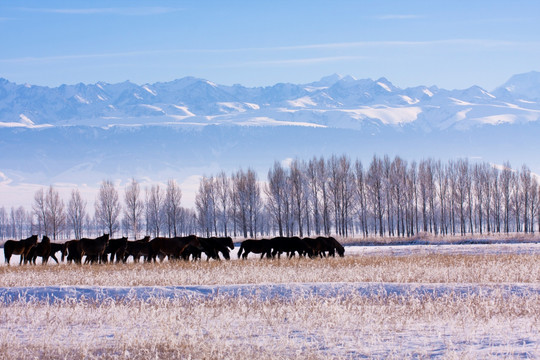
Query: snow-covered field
[{"x": 410, "y": 301}]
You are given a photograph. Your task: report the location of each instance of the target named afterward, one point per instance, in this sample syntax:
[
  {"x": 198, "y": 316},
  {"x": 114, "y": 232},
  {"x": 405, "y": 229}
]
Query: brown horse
[
  {"x": 21, "y": 247},
  {"x": 93, "y": 248},
  {"x": 171, "y": 247},
  {"x": 263, "y": 247},
  {"x": 43, "y": 250}
]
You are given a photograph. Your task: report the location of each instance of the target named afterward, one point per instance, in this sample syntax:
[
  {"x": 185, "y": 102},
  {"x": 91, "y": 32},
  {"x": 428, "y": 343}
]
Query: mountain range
[
  {"x": 334, "y": 101},
  {"x": 84, "y": 133}
]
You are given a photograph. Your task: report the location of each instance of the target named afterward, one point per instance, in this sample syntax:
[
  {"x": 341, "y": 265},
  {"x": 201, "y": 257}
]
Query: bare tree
[
  {"x": 154, "y": 209},
  {"x": 108, "y": 207},
  {"x": 223, "y": 200},
  {"x": 173, "y": 199},
  {"x": 40, "y": 210},
  {"x": 55, "y": 212},
  {"x": 76, "y": 213},
  {"x": 134, "y": 208},
  {"x": 3, "y": 223},
  {"x": 275, "y": 191},
  {"x": 205, "y": 205}
]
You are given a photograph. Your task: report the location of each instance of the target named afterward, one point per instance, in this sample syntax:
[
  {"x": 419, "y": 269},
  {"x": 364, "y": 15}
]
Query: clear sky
[{"x": 452, "y": 44}]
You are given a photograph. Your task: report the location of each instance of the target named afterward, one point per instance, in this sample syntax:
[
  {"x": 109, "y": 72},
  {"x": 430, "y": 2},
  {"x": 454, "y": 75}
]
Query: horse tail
[{"x": 240, "y": 251}]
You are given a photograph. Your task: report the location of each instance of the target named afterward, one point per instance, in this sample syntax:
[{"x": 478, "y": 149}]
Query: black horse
[
  {"x": 56, "y": 248},
  {"x": 20, "y": 247},
  {"x": 333, "y": 246},
  {"x": 117, "y": 248},
  {"x": 43, "y": 250},
  {"x": 73, "y": 251},
  {"x": 93, "y": 248},
  {"x": 137, "y": 249},
  {"x": 171, "y": 247},
  {"x": 290, "y": 245},
  {"x": 263, "y": 247}
]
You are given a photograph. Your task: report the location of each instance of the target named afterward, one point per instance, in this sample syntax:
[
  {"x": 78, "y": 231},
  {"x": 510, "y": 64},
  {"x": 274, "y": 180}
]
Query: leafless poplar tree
[
  {"x": 76, "y": 213},
  {"x": 173, "y": 199},
  {"x": 134, "y": 208},
  {"x": 107, "y": 207}
]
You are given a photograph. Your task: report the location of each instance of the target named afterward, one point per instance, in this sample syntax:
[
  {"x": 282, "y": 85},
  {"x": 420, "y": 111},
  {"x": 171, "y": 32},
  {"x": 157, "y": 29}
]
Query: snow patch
[
  {"x": 408, "y": 100},
  {"x": 384, "y": 86},
  {"x": 25, "y": 120},
  {"x": 153, "y": 107},
  {"x": 145, "y": 87},
  {"x": 302, "y": 102},
  {"x": 427, "y": 92},
  {"x": 81, "y": 100},
  {"x": 388, "y": 116}
]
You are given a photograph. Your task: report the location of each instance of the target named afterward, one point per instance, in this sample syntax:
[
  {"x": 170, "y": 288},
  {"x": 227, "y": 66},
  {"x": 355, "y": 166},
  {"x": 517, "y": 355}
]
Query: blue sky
[{"x": 452, "y": 44}]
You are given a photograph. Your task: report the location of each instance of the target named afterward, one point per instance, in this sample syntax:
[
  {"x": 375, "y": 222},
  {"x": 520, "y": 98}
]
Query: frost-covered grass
[
  {"x": 417, "y": 268},
  {"x": 313, "y": 327},
  {"x": 403, "y": 304}
]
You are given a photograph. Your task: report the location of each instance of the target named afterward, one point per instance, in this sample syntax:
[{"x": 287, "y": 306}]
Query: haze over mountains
[{"x": 84, "y": 133}]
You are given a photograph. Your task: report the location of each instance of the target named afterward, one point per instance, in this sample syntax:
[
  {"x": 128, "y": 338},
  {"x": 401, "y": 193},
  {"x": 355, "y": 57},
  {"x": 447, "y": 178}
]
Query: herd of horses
[{"x": 103, "y": 249}]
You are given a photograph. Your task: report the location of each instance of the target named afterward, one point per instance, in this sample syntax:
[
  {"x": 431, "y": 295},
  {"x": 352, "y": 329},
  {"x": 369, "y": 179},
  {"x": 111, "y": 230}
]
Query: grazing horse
[
  {"x": 116, "y": 247},
  {"x": 171, "y": 247},
  {"x": 290, "y": 245},
  {"x": 21, "y": 247},
  {"x": 43, "y": 250},
  {"x": 333, "y": 246},
  {"x": 137, "y": 249},
  {"x": 263, "y": 247},
  {"x": 93, "y": 248}
]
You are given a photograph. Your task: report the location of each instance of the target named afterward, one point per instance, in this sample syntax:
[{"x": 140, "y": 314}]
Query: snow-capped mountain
[
  {"x": 333, "y": 101},
  {"x": 78, "y": 135}
]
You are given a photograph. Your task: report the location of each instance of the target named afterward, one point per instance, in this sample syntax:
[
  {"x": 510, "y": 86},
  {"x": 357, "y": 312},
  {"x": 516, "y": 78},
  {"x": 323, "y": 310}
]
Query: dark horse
[
  {"x": 290, "y": 245},
  {"x": 93, "y": 248},
  {"x": 332, "y": 246},
  {"x": 212, "y": 246},
  {"x": 56, "y": 248},
  {"x": 137, "y": 249},
  {"x": 43, "y": 250},
  {"x": 21, "y": 247},
  {"x": 171, "y": 247},
  {"x": 222, "y": 245},
  {"x": 263, "y": 247},
  {"x": 73, "y": 251},
  {"x": 117, "y": 248}
]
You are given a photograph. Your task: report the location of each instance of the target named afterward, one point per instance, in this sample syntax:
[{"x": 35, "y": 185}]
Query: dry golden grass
[{"x": 421, "y": 268}]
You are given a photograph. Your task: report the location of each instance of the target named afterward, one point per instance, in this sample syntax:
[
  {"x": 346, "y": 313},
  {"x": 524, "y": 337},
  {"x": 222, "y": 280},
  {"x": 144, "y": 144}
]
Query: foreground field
[{"x": 393, "y": 304}]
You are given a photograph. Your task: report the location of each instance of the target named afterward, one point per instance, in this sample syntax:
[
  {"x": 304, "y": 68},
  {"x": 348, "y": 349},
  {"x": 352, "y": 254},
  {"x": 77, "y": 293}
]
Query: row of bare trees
[{"x": 387, "y": 197}]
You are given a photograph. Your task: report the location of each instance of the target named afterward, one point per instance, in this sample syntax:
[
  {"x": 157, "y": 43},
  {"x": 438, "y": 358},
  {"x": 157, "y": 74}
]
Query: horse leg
[{"x": 54, "y": 258}]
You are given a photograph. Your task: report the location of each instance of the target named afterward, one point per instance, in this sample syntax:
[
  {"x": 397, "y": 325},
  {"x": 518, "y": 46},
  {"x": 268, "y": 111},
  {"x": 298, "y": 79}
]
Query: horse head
[
  {"x": 32, "y": 240},
  {"x": 229, "y": 242},
  {"x": 45, "y": 240}
]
